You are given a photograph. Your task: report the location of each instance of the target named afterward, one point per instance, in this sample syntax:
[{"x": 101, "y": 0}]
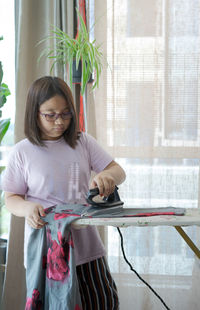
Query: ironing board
[{"x": 191, "y": 217}]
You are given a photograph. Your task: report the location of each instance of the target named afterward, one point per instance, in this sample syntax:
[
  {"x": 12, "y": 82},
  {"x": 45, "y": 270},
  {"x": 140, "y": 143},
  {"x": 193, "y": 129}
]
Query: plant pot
[{"x": 76, "y": 74}]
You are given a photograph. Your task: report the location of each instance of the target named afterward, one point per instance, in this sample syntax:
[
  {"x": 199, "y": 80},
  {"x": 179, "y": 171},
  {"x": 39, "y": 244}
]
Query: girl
[{"x": 53, "y": 166}]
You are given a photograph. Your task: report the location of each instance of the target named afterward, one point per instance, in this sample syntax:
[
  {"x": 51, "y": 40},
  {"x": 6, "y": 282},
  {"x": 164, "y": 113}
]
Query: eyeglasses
[{"x": 54, "y": 116}]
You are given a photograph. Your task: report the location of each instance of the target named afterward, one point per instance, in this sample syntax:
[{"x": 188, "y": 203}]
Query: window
[{"x": 152, "y": 120}]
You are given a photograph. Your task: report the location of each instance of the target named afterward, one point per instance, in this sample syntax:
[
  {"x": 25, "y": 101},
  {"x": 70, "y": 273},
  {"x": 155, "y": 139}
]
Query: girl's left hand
[{"x": 105, "y": 183}]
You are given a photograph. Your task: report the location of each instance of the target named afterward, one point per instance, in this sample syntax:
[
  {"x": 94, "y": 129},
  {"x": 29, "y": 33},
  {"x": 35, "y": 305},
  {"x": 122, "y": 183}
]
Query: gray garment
[{"x": 51, "y": 271}]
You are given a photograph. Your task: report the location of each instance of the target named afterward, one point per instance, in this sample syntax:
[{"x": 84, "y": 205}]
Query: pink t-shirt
[{"x": 57, "y": 174}]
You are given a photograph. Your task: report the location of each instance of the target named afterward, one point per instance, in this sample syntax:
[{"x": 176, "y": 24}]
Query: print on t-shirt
[{"x": 73, "y": 185}]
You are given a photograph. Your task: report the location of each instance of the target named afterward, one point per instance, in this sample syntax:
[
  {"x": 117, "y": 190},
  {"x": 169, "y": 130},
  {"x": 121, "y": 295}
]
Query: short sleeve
[
  {"x": 13, "y": 178},
  {"x": 98, "y": 157}
]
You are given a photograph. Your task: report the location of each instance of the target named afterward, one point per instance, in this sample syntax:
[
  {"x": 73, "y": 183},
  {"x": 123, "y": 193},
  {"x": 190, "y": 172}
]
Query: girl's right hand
[{"x": 33, "y": 213}]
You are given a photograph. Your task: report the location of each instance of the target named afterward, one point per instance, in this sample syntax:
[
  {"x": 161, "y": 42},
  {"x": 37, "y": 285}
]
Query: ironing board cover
[{"x": 51, "y": 271}]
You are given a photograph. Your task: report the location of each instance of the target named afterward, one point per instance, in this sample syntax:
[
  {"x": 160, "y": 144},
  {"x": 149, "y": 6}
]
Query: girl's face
[{"x": 53, "y": 126}]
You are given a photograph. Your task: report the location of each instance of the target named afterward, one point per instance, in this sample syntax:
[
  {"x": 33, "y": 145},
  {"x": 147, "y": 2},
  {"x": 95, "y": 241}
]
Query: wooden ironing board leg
[{"x": 188, "y": 241}]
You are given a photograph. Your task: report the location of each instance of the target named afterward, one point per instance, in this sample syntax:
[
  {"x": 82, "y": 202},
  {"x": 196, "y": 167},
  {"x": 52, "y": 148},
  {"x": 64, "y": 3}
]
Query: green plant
[
  {"x": 4, "y": 92},
  {"x": 4, "y": 125},
  {"x": 80, "y": 49}
]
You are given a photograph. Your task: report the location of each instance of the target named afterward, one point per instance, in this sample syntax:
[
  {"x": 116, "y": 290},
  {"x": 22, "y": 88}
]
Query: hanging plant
[{"x": 79, "y": 49}]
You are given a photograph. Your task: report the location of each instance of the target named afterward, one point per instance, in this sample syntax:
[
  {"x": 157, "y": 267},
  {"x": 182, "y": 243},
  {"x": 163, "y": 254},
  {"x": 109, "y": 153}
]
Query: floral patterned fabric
[{"x": 51, "y": 271}]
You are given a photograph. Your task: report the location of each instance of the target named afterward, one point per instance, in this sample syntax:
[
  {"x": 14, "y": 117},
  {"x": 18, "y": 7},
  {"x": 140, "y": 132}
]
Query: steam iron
[{"x": 111, "y": 201}]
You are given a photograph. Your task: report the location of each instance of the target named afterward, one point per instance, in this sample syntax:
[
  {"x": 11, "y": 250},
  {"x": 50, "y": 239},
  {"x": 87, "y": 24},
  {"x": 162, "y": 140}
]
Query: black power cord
[{"x": 132, "y": 269}]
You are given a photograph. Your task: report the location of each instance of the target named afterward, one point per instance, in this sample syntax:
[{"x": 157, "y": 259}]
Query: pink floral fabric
[
  {"x": 34, "y": 302},
  {"x": 51, "y": 271},
  {"x": 58, "y": 257}
]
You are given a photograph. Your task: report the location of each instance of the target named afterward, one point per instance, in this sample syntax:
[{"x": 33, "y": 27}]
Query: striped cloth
[{"x": 97, "y": 287}]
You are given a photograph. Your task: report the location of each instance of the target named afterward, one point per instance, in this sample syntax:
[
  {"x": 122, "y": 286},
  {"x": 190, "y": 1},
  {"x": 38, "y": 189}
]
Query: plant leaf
[
  {"x": 4, "y": 92},
  {"x": 1, "y": 73},
  {"x": 4, "y": 124},
  {"x": 2, "y": 168}
]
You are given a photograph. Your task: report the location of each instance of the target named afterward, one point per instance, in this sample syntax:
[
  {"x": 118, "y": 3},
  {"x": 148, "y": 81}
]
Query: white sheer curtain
[{"x": 148, "y": 103}]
